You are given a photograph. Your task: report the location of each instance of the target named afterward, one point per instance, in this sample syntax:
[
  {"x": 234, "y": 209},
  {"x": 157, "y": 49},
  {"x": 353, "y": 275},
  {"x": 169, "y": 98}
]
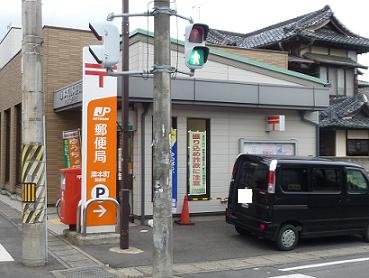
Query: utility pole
[
  {"x": 123, "y": 183},
  {"x": 34, "y": 227},
  {"x": 163, "y": 224}
]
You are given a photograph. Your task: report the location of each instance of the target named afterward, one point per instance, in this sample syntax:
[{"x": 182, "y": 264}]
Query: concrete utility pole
[
  {"x": 123, "y": 186},
  {"x": 34, "y": 244},
  {"x": 163, "y": 224}
]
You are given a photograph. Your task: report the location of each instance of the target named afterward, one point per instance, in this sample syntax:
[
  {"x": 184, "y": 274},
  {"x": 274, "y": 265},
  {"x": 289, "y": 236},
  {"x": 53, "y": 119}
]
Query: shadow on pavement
[{"x": 206, "y": 241}]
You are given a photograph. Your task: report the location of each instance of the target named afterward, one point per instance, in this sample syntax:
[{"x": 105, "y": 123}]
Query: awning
[{"x": 333, "y": 60}]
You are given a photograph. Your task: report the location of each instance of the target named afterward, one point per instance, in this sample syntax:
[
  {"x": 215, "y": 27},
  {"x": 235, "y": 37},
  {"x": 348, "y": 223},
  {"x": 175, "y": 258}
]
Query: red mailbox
[{"x": 70, "y": 185}]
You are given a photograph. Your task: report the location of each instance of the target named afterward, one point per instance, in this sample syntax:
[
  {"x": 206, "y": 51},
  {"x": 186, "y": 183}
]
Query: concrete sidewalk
[{"x": 209, "y": 245}]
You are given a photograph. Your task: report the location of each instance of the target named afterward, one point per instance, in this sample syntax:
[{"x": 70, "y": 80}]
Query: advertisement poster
[
  {"x": 174, "y": 169},
  {"x": 197, "y": 162},
  {"x": 72, "y": 148}
]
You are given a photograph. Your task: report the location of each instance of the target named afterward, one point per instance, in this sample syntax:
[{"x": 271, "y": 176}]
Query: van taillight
[
  {"x": 234, "y": 171},
  {"x": 271, "y": 182},
  {"x": 228, "y": 212}
]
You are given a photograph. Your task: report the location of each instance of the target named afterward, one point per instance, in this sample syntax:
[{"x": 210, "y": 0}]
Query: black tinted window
[
  {"x": 326, "y": 180},
  {"x": 294, "y": 179},
  {"x": 356, "y": 182},
  {"x": 252, "y": 175}
]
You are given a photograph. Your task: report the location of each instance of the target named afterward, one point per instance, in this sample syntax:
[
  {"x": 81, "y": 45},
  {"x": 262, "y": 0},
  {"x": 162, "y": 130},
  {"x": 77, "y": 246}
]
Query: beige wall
[
  {"x": 341, "y": 143},
  {"x": 10, "y": 96},
  {"x": 357, "y": 134},
  {"x": 275, "y": 58},
  {"x": 62, "y": 66},
  {"x": 62, "y": 59}
]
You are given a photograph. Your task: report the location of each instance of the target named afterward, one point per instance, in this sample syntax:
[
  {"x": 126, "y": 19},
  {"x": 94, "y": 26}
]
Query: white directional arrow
[{"x": 102, "y": 210}]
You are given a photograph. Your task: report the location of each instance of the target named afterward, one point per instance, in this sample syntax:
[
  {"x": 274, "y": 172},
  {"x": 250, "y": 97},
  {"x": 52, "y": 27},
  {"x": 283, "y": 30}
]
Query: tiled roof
[
  {"x": 346, "y": 112},
  {"x": 308, "y": 26}
]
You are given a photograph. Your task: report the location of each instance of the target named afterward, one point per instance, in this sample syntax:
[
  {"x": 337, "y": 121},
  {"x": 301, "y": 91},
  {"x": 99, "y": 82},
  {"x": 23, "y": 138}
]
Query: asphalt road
[
  {"x": 208, "y": 240},
  {"x": 11, "y": 246}
]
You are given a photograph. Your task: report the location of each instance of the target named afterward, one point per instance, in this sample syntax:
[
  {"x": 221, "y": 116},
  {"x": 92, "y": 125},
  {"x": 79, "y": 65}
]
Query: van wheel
[
  {"x": 287, "y": 238},
  {"x": 241, "y": 231},
  {"x": 366, "y": 234}
]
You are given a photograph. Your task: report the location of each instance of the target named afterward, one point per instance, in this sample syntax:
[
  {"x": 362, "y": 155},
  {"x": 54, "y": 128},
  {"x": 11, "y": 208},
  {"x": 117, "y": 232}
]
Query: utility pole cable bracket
[{"x": 163, "y": 68}]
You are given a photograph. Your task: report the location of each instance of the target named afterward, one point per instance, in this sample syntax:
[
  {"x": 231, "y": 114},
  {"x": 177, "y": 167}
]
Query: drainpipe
[
  {"x": 143, "y": 117},
  {"x": 317, "y": 137}
]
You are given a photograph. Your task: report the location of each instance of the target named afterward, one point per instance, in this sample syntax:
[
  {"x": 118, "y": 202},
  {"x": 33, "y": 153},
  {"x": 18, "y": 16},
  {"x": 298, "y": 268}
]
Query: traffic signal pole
[
  {"x": 162, "y": 214},
  {"x": 123, "y": 183},
  {"x": 34, "y": 226}
]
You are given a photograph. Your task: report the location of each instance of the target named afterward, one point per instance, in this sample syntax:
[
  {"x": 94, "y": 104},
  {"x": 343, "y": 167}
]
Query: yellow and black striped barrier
[
  {"x": 34, "y": 189},
  {"x": 221, "y": 199},
  {"x": 29, "y": 192}
]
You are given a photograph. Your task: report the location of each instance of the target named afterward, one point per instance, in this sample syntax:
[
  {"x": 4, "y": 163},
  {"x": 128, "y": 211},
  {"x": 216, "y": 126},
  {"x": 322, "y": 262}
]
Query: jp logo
[
  {"x": 100, "y": 191},
  {"x": 101, "y": 111}
]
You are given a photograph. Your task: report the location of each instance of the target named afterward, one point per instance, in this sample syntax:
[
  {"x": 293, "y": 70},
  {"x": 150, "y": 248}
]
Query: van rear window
[{"x": 252, "y": 175}]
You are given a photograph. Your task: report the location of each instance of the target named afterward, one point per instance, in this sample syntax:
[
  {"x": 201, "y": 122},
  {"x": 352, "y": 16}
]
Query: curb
[{"x": 246, "y": 263}]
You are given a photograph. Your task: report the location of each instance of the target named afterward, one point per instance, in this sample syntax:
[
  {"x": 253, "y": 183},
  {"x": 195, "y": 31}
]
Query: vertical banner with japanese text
[
  {"x": 72, "y": 148},
  {"x": 174, "y": 169},
  {"x": 197, "y": 162},
  {"x": 99, "y": 135}
]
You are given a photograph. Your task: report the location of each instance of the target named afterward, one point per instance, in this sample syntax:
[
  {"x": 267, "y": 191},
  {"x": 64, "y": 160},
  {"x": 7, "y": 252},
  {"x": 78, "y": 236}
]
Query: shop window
[
  {"x": 198, "y": 158},
  {"x": 326, "y": 180},
  {"x": 357, "y": 147}
]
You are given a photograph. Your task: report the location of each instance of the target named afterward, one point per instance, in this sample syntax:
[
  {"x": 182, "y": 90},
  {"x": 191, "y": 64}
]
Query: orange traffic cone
[{"x": 185, "y": 215}]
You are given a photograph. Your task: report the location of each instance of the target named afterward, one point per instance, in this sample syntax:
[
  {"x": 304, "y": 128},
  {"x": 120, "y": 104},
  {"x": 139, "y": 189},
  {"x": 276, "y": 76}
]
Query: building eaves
[
  {"x": 243, "y": 60},
  {"x": 327, "y": 36},
  {"x": 333, "y": 60},
  {"x": 361, "y": 123}
]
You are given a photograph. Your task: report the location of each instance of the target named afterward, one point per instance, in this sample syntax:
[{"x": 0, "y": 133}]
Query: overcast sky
[{"x": 233, "y": 15}]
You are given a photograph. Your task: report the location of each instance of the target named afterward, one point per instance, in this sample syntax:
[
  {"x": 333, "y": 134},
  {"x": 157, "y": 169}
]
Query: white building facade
[{"x": 227, "y": 105}]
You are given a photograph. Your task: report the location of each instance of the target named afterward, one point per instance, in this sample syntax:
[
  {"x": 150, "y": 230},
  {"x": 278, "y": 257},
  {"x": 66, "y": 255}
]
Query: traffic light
[
  {"x": 106, "y": 54},
  {"x": 196, "y": 53}
]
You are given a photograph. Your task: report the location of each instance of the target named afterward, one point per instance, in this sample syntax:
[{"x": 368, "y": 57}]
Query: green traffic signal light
[{"x": 197, "y": 56}]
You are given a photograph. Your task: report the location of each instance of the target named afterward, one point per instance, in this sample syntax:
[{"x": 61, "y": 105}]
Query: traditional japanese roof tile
[
  {"x": 311, "y": 26},
  {"x": 346, "y": 112}
]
